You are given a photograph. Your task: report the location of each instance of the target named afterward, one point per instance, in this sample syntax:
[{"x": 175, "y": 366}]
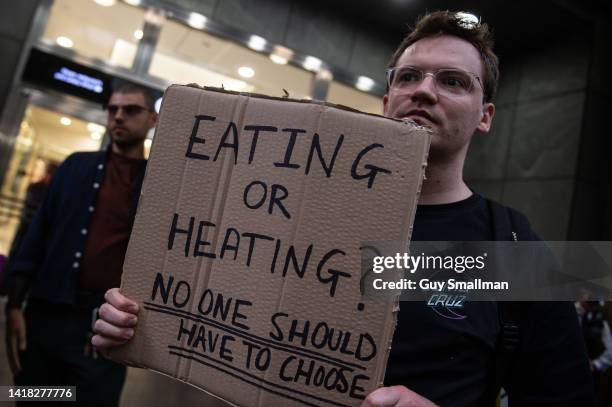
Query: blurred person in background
[
  {"x": 72, "y": 253},
  {"x": 598, "y": 340},
  {"x": 34, "y": 196},
  {"x": 444, "y": 76}
]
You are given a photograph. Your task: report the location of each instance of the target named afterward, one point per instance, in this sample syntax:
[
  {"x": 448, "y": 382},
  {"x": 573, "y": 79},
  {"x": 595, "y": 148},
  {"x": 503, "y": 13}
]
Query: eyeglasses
[
  {"x": 451, "y": 81},
  {"x": 129, "y": 110}
]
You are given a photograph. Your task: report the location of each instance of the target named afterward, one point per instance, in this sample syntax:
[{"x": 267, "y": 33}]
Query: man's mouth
[{"x": 420, "y": 117}]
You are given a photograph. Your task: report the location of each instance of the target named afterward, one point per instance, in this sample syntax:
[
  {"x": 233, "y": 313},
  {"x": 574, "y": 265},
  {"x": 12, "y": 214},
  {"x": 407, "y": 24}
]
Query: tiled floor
[{"x": 142, "y": 388}]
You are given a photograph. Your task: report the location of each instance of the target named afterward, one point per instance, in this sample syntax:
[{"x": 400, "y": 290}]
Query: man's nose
[
  {"x": 119, "y": 116},
  {"x": 426, "y": 90}
]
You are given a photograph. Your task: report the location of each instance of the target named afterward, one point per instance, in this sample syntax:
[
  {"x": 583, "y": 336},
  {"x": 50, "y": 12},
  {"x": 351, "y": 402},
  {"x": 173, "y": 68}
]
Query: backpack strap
[
  {"x": 507, "y": 224},
  {"x": 511, "y": 316}
]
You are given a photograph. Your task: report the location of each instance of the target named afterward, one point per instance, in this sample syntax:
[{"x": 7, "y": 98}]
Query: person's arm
[
  {"x": 604, "y": 361},
  {"x": 15, "y": 322},
  {"x": 30, "y": 253},
  {"x": 23, "y": 266},
  {"x": 550, "y": 367}
]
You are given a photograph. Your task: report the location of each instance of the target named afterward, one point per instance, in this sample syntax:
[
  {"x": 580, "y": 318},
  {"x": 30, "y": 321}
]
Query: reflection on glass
[
  {"x": 185, "y": 55},
  {"x": 96, "y": 31},
  {"x": 44, "y": 140},
  {"x": 351, "y": 97}
]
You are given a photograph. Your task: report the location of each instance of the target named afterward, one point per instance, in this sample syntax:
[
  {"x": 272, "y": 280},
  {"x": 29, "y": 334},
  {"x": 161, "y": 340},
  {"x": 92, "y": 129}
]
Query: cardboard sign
[{"x": 245, "y": 254}]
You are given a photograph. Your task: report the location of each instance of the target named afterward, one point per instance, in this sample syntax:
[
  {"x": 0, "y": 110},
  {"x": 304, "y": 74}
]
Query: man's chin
[{"x": 126, "y": 143}]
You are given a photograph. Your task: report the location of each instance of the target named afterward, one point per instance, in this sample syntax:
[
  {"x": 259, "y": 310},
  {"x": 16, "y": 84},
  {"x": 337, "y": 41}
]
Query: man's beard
[{"x": 130, "y": 141}]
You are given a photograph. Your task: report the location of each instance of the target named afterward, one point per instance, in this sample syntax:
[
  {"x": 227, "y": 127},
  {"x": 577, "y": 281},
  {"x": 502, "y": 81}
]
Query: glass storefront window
[
  {"x": 108, "y": 33},
  {"x": 351, "y": 97},
  {"x": 185, "y": 55},
  {"x": 45, "y": 139}
]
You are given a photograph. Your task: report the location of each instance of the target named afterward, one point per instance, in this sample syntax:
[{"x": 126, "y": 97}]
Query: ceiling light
[
  {"x": 277, "y": 59},
  {"x": 281, "y": 55},
  {"x": 312, "y": 63},
  {"x": 235, "y": 85},
  {"x": 95, "y": 135},
  {"x": 147, "y": 143},
  {"x": 364, "y": 83},
  {"x": 65, "y": 121},
  {"x": 325, "y": 75},
  {"x": 257, "y": 43},
  {"x": 158, "y": 103},
  {"x": 246, "y": 72},
  {"x": 197, "y": 21},
  {"x": 156, "y": 17},
  {"x": 64, "y": 42},
  {"x": 138, "y": 34},
  {"x": 467, "y": 20},
  {"x": 95, "y": 128},
  {"x": 133, "y": 2},
  {"x": 105, "y": 3}
]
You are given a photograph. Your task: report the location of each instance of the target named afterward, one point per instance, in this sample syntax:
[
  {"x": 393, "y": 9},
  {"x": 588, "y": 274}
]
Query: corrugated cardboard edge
[
  {"x": 410, "y": 221},
  {"x": 381, "y": 366},
  {"x": 305, "y": 101}
]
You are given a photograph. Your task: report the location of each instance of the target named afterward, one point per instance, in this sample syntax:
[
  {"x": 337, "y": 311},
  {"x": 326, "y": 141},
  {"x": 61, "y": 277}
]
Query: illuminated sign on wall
[
  {"x": 48, "y": 71},
  {"x": 79, "y": 80}
]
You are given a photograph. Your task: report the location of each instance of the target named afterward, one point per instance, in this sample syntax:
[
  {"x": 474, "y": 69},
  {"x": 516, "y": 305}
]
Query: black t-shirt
[{"x": 446, "y": 354}]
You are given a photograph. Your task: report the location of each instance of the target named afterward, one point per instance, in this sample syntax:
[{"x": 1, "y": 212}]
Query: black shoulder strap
[
  {"x": 507, "y": 225},
  {"x": 511, "y": 316}
]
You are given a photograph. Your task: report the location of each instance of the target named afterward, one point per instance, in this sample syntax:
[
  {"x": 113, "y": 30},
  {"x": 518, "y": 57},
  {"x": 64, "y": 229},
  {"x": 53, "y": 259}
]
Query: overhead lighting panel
[
  {"x": 364, "y": 83},
  {"x": 312, "y": 63},
  {"x": 246, "y": 72},
  {"x": 281, "y": 55},
  {"x": 197, "y": 21},
  {"x": 64, "y": 42},
  {"x": 105, "y": 3},
  {"x": 257, "y": 43}
]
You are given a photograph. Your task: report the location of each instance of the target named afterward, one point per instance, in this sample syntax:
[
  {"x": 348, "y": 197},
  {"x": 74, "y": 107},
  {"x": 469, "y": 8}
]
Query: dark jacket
[{"x": 48, "y": 261}]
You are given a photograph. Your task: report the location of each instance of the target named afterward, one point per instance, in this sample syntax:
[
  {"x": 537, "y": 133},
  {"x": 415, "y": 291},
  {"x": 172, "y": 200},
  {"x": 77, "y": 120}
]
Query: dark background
[{"x": 548, "y": 153}]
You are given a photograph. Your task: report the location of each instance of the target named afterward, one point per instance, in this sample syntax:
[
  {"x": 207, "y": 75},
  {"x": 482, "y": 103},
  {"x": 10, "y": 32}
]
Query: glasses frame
[
  {"x": 433, "y": 73},
  {"x": 123, "y": 107}
]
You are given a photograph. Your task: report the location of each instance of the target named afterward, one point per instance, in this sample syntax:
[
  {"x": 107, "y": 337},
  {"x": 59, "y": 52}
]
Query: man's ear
[
  {"x": 153, "y": 120},
  {"x": 486, "y": 119}
]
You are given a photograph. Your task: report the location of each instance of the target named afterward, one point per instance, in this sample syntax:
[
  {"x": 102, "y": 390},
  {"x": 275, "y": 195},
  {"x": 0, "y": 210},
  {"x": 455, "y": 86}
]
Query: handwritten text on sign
[{"x": 311, "y": 353}]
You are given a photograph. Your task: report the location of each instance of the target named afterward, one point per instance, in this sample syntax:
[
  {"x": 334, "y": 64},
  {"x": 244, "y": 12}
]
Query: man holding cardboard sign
[{"x": 443, "y": 76}]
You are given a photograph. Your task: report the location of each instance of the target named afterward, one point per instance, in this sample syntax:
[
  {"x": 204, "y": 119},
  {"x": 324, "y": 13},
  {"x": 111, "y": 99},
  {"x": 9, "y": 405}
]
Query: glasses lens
[
  {"x": 404, "y": 77},
  {"x": 112, "y": 109},
  {"x": 454, "y": 81},
  {"x": 132, "y": 110},
  {"x": 129, "y": 110}
]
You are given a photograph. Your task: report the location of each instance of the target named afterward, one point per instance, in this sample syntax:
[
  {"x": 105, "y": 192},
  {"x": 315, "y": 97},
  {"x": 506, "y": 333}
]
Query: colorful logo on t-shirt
[{"x": 447, "y": 305}]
